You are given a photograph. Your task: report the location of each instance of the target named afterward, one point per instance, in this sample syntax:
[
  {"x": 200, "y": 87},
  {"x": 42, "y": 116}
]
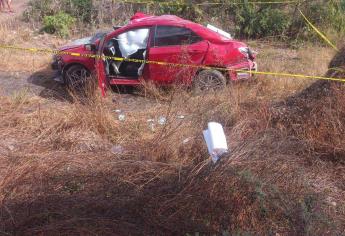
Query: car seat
[
  {"x": 113, "y": 50},
  {"x": 134, "y": 69}
]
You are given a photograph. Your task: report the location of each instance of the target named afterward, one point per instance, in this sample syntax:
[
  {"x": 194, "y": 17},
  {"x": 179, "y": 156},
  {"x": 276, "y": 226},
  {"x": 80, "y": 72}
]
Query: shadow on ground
[{"x": 51, "y": 89}]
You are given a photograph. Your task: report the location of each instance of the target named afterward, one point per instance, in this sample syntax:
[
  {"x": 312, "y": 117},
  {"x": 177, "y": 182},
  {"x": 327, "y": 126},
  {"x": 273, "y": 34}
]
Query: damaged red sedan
[{"x": 199, "y": 56}]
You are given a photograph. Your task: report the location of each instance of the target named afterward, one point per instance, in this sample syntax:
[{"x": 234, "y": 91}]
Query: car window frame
[{"x": 153, "y": 40}]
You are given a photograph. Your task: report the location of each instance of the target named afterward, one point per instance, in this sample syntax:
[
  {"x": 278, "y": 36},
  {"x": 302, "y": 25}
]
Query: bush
[
  {"x": 255, "y": 22},
  {"x": 59, "y": 23},
  {"x": 38, "y": 9},
  {"x": 328, "y": 18},
  {"x": 81, "y": 9},
  {"x": 182, "y": 8},
  {"x": 247, "y": 19}
]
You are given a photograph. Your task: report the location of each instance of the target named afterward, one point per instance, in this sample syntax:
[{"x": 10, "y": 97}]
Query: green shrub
[
  {"x": 247, "y": 19},
  {"x": 255, "y": 22},
  {"x": 81, "y": 9},
  {"x": 336, "y": 15},
  {"x": 38, "y": 9},
  {"x": 328, "y": 17},
  {"x": 183, "y": 8},
  {"x": 59, "y": 23}
]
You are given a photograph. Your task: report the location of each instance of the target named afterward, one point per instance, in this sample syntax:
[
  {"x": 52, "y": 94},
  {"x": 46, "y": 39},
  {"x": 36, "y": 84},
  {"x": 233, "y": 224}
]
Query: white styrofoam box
[{"x": 215, "y": 140}]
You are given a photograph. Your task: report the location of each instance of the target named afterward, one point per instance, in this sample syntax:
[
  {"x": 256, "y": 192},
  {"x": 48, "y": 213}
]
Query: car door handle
[{"x": 195, "y": 50}]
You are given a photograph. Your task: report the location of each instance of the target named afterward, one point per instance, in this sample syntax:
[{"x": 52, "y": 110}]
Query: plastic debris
[
  {"x": 162, "y": 120},
  {"x": 117, "y": 149},
  {"x": 121, "y": 117},
  {"x": 11, "y": 147},
  {"x": 151, "y": 124},
  {"x": 216, "y": 141},
  {"x": 186, "y": 140},
  {"x": 180, "y": 117}
]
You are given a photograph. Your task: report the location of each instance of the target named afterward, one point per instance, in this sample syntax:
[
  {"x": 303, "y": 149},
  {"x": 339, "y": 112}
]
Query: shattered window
[{"x": 171, "y": 35}]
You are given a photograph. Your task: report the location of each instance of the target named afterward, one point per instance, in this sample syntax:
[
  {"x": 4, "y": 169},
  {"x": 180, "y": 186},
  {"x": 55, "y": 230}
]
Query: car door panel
[{"x": 170, "y": 62}]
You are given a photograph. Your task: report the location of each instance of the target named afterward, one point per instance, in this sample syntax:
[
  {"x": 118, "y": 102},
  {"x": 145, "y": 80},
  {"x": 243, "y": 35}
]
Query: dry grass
[
  {"x": 19, "y": 34},
  {"x": 60, "y": 173},
  {"x": 68, "y": 180},
  {"x": 307, "y": 60}
]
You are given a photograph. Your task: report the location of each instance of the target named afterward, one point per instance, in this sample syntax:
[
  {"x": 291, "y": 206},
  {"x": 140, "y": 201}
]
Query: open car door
[
  {"x": 100, "y": 67},
  {"x": 128, "y": 50}
]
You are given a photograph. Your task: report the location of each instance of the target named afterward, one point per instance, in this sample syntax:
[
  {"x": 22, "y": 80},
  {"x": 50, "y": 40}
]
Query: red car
[{"x": 197, "y": 55}]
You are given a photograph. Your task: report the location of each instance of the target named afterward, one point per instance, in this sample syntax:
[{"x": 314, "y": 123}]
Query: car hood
[{"x": 76, "y": 43}]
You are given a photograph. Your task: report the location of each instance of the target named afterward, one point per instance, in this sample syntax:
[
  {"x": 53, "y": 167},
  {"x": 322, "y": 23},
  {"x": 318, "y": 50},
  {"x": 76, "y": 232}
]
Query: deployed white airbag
[{"x": 132, "y": 41}]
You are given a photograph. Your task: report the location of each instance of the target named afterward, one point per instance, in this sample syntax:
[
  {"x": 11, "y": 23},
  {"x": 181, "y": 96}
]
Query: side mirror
[{"x": 91, "y": 47}]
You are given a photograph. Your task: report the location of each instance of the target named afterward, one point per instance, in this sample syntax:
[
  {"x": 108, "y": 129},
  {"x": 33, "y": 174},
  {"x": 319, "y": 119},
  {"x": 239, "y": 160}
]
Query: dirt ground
[
  {"x": 17, "y": 81},
  {"x": 18, "y": 6}
]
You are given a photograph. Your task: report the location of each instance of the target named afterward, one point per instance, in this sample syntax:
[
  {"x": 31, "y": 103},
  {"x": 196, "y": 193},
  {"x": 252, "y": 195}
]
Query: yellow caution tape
[
  {"x": 57, "y": 52},
  {"x": 318, "y": 32}
]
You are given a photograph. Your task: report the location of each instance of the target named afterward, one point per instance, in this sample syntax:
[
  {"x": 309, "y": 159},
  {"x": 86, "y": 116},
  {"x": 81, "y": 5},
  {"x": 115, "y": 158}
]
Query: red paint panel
[{"x": 193, "y": 54}]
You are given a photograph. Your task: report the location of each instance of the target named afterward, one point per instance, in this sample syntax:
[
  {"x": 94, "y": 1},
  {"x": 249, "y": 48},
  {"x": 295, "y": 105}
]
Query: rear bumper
[{"x": 242, "y": 70}]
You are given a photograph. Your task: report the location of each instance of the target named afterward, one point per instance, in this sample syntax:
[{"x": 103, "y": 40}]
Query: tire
[
  {"x": 209, "y": 80},
  {"x": 76, "y": 77}
]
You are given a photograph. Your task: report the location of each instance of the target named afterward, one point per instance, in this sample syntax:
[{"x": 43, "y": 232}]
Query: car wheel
[
  {"x": 209, "y": 80},
  {"x": 76, "y": 77}
]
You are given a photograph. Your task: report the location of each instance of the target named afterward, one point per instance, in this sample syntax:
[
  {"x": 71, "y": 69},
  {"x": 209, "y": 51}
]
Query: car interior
[{"x": 129, "y": 45}]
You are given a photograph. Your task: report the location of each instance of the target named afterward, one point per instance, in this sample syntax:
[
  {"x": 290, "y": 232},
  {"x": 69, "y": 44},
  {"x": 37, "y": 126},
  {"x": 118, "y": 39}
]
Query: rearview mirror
[{"x": 90, "y": 47}]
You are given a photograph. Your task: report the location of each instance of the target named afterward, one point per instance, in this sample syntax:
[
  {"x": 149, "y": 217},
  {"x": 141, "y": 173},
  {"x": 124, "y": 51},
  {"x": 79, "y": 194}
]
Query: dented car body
[{"x": 187, "y": 47}]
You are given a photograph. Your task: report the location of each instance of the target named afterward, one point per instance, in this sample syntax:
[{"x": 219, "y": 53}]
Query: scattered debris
[
  {"x": 186, "y": 140},
  {"x": 151, "y": 124},
  {"x": 117, "y": 149},
  {"x": 8, "y": 144},
  {"x": 162, "y": 120},
  {"x": 121, "y": 117},
  {"x": 11, "y": 147}
]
